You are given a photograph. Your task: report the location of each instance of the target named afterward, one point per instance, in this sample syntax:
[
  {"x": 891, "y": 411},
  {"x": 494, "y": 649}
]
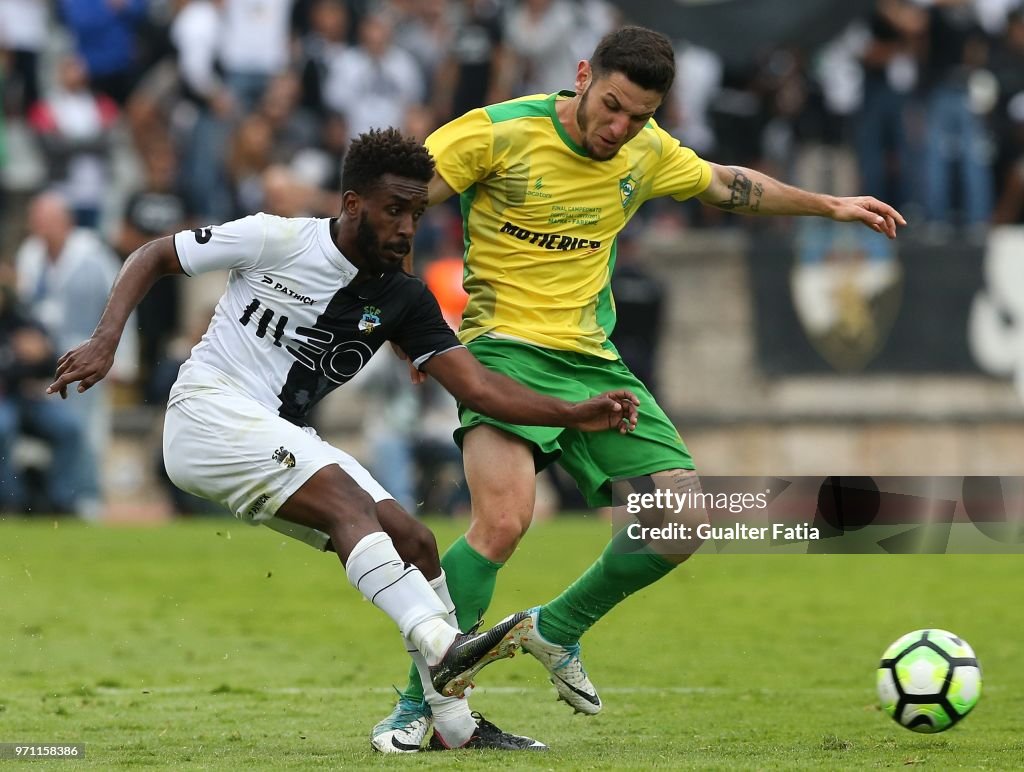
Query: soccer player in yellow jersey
[{"x": 546, "y": 184}]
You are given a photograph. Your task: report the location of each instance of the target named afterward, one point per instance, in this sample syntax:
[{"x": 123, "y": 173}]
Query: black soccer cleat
[
  {"x": 471, "y": 652},
  {"x": 488, "y": 737}
]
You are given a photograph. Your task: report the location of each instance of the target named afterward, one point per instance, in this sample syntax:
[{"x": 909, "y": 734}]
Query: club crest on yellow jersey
[{"x": 627, "y": 189}]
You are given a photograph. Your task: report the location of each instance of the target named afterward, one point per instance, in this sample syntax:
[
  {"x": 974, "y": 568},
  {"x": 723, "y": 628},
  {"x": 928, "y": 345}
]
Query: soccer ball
[{"x": 928, "y": 680}]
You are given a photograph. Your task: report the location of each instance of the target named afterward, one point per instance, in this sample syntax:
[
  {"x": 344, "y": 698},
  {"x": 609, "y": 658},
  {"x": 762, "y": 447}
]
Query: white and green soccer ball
[{"x": 928, "y": 680}]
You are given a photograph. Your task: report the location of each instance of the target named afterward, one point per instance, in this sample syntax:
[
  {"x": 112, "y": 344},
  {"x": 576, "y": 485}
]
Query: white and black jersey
[{"x": 289, "y": 329}]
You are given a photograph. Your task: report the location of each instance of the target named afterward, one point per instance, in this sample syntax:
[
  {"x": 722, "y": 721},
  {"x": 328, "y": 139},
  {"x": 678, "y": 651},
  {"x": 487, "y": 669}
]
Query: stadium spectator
[
  {"x": 320, "y": 163},
  {"x": 376, "y": 82},
  {"x": 285, "y": 193},
  {"x": 477, "y": 69},
  {"x": 63, "y": 276},
  {"x": 249, "y": 155},
  {"x": 700, "y": 73},
  {"x": 196, "y": 34},
  {"x": 890, "y": 76},
  {"x": 538, "y": 32},
  {"x": 72, "y": 123},
  {"x": 955, "y": 135},
  {"x": 540, "y": 307},
  {"x": 244, "y": 392},
  {"x": 23, "y": 30},
  {"x": 3, "y": 164},
  {"x": 1010, "y": 209},
  {"x": 784, "y": 87},
  {"x": 1010, "y": 206},
  {"x": 326, "y": 40},
  {"x": 426, "y": 31},
  {"x": 1007, "y": 64},
  {"x": 156, "y": 209},
  {"x": 825, "y": 157},
  {"x": 594, "y": 20},
  {"x": 293, "y": 126},
  {"x": 105, "y": 33},
  {"x": 254, "y": 46},
  {"x": 153, "y": 41},
  {"x": 26, "y": 359}
]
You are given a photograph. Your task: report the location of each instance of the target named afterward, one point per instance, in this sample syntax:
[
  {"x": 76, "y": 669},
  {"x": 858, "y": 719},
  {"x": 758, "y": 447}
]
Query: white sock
[
  {"x": 440, "y": 586},
  {"x": 452, "y": 718},
  {"x": 399, "y": 590}
]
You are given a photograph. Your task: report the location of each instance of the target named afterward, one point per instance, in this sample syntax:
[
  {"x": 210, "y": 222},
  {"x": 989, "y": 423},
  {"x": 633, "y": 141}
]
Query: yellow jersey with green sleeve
[{"x": 540, "y": 218}]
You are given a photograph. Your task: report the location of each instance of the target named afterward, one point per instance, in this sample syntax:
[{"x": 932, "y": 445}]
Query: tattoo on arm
[{"x": 744, "y": 193}]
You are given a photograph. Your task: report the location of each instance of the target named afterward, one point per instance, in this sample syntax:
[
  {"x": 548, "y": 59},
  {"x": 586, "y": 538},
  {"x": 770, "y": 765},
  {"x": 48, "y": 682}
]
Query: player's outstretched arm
[
  {"x": 500, "y": 397},
  {"x": 746, "y": 191},
  {"x": 90, "y": 361}
]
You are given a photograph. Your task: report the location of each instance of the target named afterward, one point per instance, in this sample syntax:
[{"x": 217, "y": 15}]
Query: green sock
[
  {"x": 612, "y": 578},
  {"x": 471, "y": 580}
]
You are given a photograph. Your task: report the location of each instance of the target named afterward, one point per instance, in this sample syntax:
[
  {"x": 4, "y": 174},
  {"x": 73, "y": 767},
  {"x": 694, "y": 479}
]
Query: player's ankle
[
  {"x": 455, "y": 730},
  {"x": 433, "y": 637},
  {"x": 551, "y": 632}
]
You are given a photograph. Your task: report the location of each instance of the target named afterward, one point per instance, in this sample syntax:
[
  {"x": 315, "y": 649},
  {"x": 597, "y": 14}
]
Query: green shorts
[{"x": 593, "y": 459}]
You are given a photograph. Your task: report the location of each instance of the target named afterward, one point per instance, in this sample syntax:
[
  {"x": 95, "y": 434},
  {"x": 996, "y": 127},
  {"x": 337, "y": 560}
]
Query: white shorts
[{"x": 230, "y": 449}]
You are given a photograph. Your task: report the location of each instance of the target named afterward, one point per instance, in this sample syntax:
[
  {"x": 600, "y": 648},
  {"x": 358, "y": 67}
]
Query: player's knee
[
  {"x": 498, "y": 537},
  {"x": 414, "y": 542},
  {"x": 675, "y": 516},
  {"x": 418, "y": 546}
]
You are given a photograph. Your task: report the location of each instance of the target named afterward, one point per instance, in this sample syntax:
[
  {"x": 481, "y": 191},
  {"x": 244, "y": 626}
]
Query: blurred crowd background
[{"x": 125, "y": 120}]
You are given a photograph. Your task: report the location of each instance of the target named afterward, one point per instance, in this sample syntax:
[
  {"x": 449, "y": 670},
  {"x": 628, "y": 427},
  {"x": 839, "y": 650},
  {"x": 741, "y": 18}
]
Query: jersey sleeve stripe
[{"x": 420, "y": 361}]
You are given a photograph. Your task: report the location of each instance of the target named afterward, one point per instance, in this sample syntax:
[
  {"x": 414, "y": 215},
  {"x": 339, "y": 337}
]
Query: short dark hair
[
  {"x": 644, "y": 56},
  {"x": 384, "y": 151}
]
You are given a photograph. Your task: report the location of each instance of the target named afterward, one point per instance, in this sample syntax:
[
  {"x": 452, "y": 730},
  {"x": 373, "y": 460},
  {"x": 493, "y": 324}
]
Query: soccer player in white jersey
[{"x": 308, "y": 302}]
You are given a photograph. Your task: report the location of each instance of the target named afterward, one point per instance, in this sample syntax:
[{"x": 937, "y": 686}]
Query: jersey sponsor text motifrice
[{"x": 541, "y": 218}]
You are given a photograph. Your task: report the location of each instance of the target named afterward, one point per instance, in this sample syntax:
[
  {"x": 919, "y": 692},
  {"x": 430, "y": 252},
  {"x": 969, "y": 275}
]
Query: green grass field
[{"x": 215, "y": 645}]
